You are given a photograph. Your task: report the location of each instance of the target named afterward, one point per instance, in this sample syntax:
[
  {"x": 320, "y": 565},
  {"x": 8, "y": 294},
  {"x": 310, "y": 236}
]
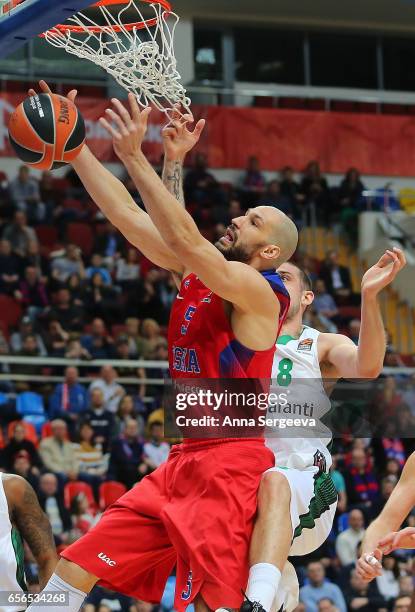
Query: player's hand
[
  {"x": 370, "y": 565},
  {"x": 71, "y": 95},
  {"x": 383, "y": 272},
  {"x": 128, "y": 129},
  {"x": 178, "y": 140},
  {"x": 398, "y": 539}
]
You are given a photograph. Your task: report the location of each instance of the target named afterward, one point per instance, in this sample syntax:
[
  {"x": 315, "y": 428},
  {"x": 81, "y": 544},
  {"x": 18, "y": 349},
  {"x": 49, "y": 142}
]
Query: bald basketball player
[{"x": 197, "y": 510}]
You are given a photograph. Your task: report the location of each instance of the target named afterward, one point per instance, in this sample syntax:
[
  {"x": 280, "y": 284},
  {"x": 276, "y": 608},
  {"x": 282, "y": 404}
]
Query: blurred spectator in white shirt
[
  {"x": 347, "y": 541},
  {"x": 156, "y": 451},
  {"x": 112, "y": 391}
]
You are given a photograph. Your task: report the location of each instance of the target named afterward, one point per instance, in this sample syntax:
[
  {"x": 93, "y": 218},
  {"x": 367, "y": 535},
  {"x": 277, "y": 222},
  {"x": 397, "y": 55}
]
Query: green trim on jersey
[
  {"x": 17, "y": 543},
  {"x": 325, "y": 494},
  {"x": 285, "y": 339}
]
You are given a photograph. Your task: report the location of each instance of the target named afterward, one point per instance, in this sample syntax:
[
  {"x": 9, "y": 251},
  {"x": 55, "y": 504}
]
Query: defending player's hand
[
  {"x": 127, "y": 129},
  {"x": 369, "y": 566},
  {"x": 71, "y": 95},
  {"x": 398, "y": 539},
  {"x": 178, "y": 140},
  {"x": 383, "y": 272}
]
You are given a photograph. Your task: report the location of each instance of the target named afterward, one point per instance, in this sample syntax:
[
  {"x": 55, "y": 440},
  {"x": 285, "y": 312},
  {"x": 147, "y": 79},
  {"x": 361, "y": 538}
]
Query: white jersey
[
  {"x": 296, "y": 378},
  {"x": 12, "y": 576}
]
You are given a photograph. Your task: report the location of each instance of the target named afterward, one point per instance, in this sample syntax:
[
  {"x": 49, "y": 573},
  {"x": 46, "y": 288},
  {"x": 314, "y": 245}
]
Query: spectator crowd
[{"x": 71, "y": 287}]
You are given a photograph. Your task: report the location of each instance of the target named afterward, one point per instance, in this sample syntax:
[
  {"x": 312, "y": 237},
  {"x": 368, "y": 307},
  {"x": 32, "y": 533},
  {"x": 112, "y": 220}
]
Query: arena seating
[{"x": 84, "y": 330}]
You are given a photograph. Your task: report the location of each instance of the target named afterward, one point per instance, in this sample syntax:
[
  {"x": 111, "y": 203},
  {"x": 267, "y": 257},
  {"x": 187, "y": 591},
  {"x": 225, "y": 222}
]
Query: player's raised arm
[
  {"x": 232, "y": 280},
  {"x": 366, "y": 359},
  {"x": 118, "y": 206},
  {"x": 382, "y": 532}
]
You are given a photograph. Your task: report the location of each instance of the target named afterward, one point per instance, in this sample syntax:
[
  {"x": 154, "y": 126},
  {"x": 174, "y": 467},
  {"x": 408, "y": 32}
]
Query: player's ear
[
  {"x": 308, "y": 298},
  {"x": 271, "y": 252}
]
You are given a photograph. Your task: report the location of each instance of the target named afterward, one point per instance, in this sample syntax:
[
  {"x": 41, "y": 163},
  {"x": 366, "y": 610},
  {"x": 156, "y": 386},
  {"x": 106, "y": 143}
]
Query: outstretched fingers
[
  {"x": 138, "y": 117},
  {"x": 122, "y": 113},
  {"x": 110, "y": 129},
  {"x": 71, "y": 95},
  {"x": 199, "y": 127},
  {"x": 177, "y": 114},
  {"x": 406, "y": 535},
  {"x": 44, "y": 87},
  {"x": 134, "y": 108},
  {"x": 115, "y": 118}
]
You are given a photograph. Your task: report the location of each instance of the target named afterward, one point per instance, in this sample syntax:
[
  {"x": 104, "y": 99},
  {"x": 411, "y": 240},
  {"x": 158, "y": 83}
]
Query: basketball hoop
[{"x": 137, "y": 51}]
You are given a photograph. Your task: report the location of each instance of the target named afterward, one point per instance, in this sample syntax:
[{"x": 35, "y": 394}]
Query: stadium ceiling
[{"x": 381, "y": 15}]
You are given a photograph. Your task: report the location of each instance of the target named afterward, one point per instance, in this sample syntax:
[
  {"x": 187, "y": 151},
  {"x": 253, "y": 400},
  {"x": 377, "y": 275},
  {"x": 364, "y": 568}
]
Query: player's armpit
[{"x": 32, "y": 524}]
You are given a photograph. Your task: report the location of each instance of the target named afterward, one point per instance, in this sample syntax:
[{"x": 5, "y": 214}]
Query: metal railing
[
  {"x": 240, "y": 94},
  {"x": 46, "y": 362},
  {"x": 97, "y": 363}
]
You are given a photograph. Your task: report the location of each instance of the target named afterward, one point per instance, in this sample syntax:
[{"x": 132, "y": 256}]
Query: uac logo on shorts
[
  {"x": 106, "y": 559},
  {"x": 188, "y": 592}
]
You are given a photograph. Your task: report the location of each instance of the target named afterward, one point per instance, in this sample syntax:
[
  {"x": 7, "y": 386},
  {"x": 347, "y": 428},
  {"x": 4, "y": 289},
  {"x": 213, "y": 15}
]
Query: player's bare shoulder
[
  {"x": 258, "y": 295},
  {"x": 15, "y": 488}
]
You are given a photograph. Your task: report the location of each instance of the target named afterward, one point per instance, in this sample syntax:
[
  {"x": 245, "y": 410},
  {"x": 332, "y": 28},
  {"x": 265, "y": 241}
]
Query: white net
[{"x": 141, "y": 60}]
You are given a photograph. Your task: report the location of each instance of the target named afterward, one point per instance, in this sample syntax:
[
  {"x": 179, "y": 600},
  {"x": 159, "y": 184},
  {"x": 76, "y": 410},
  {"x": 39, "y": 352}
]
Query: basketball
[{"x": 47, "y": 131}]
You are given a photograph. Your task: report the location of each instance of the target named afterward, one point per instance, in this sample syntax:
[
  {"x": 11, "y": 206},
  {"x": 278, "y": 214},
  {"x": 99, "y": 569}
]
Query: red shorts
[{"x": 197, "y": 512}]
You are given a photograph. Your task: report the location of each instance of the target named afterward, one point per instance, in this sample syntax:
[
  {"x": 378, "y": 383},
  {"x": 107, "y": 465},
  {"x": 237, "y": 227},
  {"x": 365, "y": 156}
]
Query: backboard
[{"x": 21, "y": 20}]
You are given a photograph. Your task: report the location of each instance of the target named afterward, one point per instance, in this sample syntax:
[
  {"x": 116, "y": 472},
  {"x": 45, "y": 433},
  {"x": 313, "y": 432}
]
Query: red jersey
[{"x": 201, "y": 340}]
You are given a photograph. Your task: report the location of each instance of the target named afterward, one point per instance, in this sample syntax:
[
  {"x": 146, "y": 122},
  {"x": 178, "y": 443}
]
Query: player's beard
[{"x": 235, "y": 252}]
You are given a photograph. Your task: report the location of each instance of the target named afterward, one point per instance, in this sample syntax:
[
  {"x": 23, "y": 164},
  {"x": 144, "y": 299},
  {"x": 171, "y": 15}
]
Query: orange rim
[{"x": 138, "y": 25}]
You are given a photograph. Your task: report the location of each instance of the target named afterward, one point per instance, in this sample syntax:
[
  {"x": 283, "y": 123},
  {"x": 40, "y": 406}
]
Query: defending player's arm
[
  {"x": 173, "y": 179},
  {"x": 178, "y": 140},
  {"x": 366, "y": 359},
  {"x": 233, "y": 281},
  {"x": 381, "y": 536},
  {"x": 118, "y": 206},
  {"x": 32, "y": 524}
]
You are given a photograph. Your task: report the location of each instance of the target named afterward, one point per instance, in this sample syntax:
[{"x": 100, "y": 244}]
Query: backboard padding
[{"x": 34, "y": 17}]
